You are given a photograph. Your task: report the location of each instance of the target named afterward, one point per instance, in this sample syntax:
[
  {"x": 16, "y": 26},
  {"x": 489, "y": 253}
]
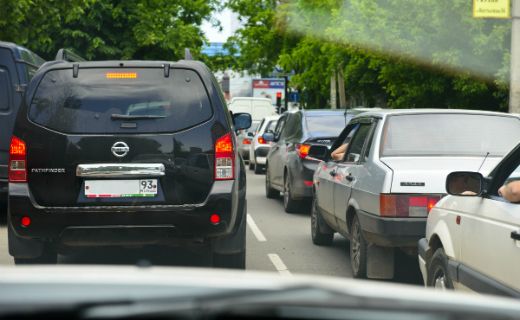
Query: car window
[
  {"x": 91, "y": 102},
  {"x": 260, "y": 126},
  {"x": 4, "y": 90},
  {"x": 280, "y": 126},
  {"x": 326, "y": 125},
  {"x": 293, "y": 129},
  {"x": 427, "y": 134},
  {"x": 271, "y": 126},
  {"x": 355, "y": 146}
]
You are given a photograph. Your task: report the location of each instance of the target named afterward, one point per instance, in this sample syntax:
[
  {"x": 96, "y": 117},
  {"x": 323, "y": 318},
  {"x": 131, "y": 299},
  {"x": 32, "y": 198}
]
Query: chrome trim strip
[{"x": 120, "y": 170}]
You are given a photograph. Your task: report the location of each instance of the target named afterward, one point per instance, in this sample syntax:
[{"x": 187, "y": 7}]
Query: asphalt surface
[{"x": 276, "y": 242}]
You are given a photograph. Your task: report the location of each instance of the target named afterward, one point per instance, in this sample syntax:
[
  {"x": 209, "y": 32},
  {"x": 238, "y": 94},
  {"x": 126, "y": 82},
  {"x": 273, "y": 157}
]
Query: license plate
[{"x": 120, "y": 188}]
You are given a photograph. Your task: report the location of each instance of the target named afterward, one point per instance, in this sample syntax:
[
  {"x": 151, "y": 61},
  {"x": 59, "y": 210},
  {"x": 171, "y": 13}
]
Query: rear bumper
[
  {"x": 302, "y": 176},
  {"x": 392, "y": 232},
  {"x": 261, "y": 155},
  {"x": 127, "y": 225}
]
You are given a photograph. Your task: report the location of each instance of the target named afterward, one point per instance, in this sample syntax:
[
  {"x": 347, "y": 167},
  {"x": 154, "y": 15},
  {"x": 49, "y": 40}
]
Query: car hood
[
  {"x": 428, "y": 174},
  {"x": 32, "y": 287}
]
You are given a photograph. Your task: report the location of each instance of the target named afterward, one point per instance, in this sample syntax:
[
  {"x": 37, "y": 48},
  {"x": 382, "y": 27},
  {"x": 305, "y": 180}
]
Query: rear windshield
[
  {"x": 327, "y": 125},
  {"x": 449, "y": 135},
  {"x": 120, "y": 101}
]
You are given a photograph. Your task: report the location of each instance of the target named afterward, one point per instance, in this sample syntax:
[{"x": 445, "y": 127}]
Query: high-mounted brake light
[
  {"x": 406, "y": 205},
  {"x": 224, "y": 158},
  {"x": 121, "y": 75},
  {"x": 17, "y": 160},
  {"x": 303, "y": 150}
]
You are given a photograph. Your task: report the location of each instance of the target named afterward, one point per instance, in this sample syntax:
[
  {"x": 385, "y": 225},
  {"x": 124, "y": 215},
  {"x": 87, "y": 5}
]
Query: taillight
[
  {"x": 261, "y": 140},
  {"x": 17, "y": 160},
  {"x": 406, "y": 205},
  {"x": 246, "y": 141},
  {"x": 303, "y": 150},
  {"x": 224, "y": 158}
]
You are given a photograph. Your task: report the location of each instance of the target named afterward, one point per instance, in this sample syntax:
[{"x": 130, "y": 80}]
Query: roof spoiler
[{"x": 68, "y": 55}]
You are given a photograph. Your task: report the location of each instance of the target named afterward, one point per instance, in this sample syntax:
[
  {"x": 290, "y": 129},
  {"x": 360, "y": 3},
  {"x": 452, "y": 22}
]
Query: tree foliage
[
  {"x": 107, "y": 29},
  {"x": 394, "y": 53}
]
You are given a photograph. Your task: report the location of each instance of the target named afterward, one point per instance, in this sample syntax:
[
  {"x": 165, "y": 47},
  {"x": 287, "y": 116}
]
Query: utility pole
[
  {"x": 514, "y": 84},
  {"x": 333, "y": 100},
  {"x": 341, "y": 88}
]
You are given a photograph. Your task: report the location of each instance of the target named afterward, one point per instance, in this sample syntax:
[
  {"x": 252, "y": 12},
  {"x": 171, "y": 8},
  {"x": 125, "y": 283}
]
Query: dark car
[
  {"x": 288, "y": 167},
  {"x": 126, "y": 153},
  {"x": 17, "y": 67}
]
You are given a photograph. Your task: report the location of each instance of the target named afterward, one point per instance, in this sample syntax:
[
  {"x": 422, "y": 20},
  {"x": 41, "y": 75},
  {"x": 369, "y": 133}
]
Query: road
[{"x": 276, "y": 242}]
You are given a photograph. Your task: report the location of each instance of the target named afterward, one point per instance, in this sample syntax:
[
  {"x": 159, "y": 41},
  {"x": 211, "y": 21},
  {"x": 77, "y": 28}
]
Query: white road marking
[
  {"x": 278, "y": 264},
  {"x": 256, "y": 231}
]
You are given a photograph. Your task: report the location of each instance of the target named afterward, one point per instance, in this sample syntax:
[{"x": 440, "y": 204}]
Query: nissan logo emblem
[{"x": 120, "y": 149}]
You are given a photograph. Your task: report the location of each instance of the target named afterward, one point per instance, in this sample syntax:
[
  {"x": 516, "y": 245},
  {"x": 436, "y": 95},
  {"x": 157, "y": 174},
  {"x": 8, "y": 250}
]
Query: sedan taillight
[
  {"x": 224, "y": 158},
  {"x": 406, "y": 205},
  {"x": 303, "y": 150},
  {"x": 17, "y": 160}
]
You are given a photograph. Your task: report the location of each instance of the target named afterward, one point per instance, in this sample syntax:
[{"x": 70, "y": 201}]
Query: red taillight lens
[
  {"x": 224, "y": 158},
  {"x": 261, "y": 140},
  {"x": 17, "y": 160},
  {"x": 25, "y": 221},
  {"x": 405, "y": 205},
  {"x": 246, "y": 141},
  {"x": 303, "y": 150},
  {"x": 214, "y": 219}
]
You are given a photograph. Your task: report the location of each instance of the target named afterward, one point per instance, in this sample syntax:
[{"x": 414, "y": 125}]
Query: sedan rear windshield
[
  {"x": 327, "y": 125},
  {"x": 120, "y": 101},
  {"x": 449, "y": 135}
]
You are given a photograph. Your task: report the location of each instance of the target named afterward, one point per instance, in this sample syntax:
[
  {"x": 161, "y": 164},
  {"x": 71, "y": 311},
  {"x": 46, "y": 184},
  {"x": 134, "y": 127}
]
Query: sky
[{"x": 229, "y": 23}]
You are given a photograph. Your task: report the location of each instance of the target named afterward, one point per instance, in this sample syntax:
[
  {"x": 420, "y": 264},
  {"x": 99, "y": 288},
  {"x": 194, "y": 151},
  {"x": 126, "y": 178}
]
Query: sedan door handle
[
  {"x": 515, "y": 235},
  {"x": 350, "y": 177}
]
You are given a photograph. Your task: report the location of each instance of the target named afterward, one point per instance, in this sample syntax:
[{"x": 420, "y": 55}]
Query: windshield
[
  {"x": 449, "y": 135},
  {"x": 326, "y": 125},
  {"x": 97, "y": 102},
  {"x": 315, "y": 138}
]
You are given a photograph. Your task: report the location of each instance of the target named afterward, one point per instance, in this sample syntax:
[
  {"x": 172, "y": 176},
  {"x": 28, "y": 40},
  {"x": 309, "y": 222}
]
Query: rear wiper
[{"x": 116, "y": 116}]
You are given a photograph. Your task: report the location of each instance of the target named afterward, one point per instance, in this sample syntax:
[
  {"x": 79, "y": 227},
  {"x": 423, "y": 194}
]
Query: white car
[
  {"x": 473, "y": 235},
  {"x": 259, "y": 148}
]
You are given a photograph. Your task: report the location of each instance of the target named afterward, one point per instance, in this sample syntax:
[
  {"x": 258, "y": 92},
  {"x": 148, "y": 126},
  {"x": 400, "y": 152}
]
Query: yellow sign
[{"x": 499, "y": 9}]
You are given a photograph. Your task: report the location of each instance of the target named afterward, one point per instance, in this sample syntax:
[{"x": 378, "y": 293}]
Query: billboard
[{"x": 268, "y": 88}]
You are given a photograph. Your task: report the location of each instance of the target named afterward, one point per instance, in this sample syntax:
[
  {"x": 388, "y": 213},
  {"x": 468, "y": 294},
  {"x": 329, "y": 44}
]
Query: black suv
[
  {"x": 17, "y": 67},
  {"x": 126, "y": 153},
  {"x": 289, "y": 168}
]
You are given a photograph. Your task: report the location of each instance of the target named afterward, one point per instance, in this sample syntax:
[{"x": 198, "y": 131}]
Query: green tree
[{"x": 107, "y": 29}]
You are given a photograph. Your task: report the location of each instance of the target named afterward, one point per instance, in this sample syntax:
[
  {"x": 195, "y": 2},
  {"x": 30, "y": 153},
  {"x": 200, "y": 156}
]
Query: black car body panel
[
  {"x": 17, "y": 66},
  {"x": 156, "y": 133},
  {"x": 293, "y": 130}
]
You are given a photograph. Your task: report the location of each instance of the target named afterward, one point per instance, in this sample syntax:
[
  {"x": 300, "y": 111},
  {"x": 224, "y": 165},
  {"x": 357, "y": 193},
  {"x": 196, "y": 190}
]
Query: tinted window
[
  {"x": 326, "y": 125},
  {"x": 293, "y": 130},
  {"x": 271, "y": 126},
  {"x": 4, "y": 90},
  {"x": 88, "y": 103},
  {"x": 279, "y": 127},
  {"x": 356, "y": 144},
  {"x": 449, "y": 135}
]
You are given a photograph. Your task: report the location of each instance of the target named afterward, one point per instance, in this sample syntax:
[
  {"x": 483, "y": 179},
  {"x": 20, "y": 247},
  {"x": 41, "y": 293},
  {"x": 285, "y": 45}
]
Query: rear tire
[
  {"x": 290, "y": 205},
  {"x": 358, "y": 250},
  {"x": 438, "y": 275},
  {"x": 270, "y": 192},
  {"x": 259, "y": 169},
  {"x": 319, "y": 237},
  {"x": 251, "y": 165}
]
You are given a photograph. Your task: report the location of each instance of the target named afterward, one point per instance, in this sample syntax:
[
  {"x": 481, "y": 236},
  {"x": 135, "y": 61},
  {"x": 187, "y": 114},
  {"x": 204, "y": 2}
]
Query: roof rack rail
[{"x": 68, "y": 55}]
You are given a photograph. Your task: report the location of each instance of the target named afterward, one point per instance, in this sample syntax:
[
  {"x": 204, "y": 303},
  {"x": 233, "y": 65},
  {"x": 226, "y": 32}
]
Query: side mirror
[
  {"x": 318, "y": 152},
  {"x": 464, "y": 183},
  {"x": 242, "y": 121},
  {"x": 268, "y": 136}
]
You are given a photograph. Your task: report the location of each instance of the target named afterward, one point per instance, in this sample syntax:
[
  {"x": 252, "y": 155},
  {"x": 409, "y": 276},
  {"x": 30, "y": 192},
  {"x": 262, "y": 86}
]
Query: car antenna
[{"x": 487, "y": 154}]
